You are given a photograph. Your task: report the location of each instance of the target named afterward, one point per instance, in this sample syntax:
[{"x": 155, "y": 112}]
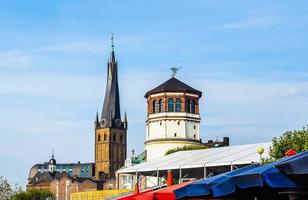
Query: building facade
[
  {"x": 110, "y": 129},
  {"x": 62, "y": 183},
  {"x": 173, "y": 118}
]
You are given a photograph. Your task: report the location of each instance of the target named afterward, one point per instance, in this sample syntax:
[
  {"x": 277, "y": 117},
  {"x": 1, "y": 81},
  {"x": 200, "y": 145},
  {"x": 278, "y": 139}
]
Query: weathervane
[
  {"x": 175, "y": 70},
  {"x": 112, "y": 44}
]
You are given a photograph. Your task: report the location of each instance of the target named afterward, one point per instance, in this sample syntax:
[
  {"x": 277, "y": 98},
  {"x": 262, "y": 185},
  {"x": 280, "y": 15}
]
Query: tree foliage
[
  {"x": 297, "y": 140},
  {"x": 6, "y": 190},
  {"x": 33, "y": 195},
  {"x": 185, "y": 148}
]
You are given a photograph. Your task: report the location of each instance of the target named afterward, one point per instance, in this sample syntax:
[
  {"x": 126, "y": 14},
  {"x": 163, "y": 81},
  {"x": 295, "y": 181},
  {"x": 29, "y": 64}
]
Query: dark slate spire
[
  {"x": 125, "y": 121},
  {"x": 111, "y": 113},
  {"x": 96, "y": 120}
]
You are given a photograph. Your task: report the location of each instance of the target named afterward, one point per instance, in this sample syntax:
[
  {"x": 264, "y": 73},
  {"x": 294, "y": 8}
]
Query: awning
[
  {"x": 296, "y": 164},
  {"x": 252, "y": 178},
  {"x": 213, "y": 157},
  {"x": 203, "y": 187},
  {"x": 264, "y": 176}
]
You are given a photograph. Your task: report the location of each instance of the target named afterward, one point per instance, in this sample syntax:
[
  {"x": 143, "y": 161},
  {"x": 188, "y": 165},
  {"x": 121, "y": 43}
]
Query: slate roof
[
  {"x": 173, "y": 85},
  {"x": 47, "y": 176},
  {"x": 111, "y": 107}
]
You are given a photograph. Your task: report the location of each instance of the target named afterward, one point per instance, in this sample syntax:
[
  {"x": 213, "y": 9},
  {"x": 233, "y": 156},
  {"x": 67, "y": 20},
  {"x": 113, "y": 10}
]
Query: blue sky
[{"x": 248, "y": 57}]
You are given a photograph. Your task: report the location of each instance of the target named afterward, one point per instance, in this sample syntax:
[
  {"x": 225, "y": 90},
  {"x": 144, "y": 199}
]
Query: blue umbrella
[
  {"x": 202, "y": 187},
  {"x": 297, "y": 165},
  {"x": 257, "y": 177}
]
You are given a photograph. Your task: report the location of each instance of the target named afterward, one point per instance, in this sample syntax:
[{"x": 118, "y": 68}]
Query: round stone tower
[{"x": 173, "y": 117}]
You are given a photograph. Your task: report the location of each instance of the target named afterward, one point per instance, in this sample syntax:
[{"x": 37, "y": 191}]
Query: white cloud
[
  {"x": 84, "y": 47},
  {"x": 252, "y": 22},
  {"x": 14, "y": 60}
]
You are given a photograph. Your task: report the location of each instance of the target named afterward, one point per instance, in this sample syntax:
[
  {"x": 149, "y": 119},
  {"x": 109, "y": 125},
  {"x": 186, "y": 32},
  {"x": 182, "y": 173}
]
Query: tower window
[
  {"x": 194, "y": 126},
  {"x": 187, "y": 105},
  {"x": 178, "y": 105},
  {"x": 114, "y": 137},
  {"x": 174, "y": 134},
  {"x": 194, "y": 135},
  {"x": 161, "y": 105},
  {"x": 99, "y": 138},
  {"x": 178, "y": 122},
  {"x": 170, "y": 105},
  {"x": 155, "y": 106},
  {"x": 105, "y": 137},
  {"x": 121, "y": 138},
  {"x": 160, "y": 123},
  {"x": 193, "y": 107}
]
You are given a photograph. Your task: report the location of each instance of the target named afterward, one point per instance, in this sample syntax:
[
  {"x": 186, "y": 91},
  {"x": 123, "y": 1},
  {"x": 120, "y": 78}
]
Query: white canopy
[{"x": 213, "y": 157}]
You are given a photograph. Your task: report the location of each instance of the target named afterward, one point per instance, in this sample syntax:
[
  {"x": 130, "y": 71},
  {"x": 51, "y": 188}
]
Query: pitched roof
[{"x": 173, "y": 85}]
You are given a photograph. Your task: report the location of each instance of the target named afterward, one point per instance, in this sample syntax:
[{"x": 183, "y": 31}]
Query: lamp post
[{"x": 260, "y": 152}]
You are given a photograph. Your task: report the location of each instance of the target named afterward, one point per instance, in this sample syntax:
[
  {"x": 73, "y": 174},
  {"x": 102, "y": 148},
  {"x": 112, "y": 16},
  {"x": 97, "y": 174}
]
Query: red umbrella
[
  {"x": 134, "y": 195},
  {"x": 161, "y": 194},
  {"x": 169, "y": 178},
  {"x": 290, "y": 152}
]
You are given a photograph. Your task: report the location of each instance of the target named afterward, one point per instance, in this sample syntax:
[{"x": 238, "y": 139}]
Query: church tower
[
  {"x": 110, "y": 130},
  {"x": 173, "y": 117}
]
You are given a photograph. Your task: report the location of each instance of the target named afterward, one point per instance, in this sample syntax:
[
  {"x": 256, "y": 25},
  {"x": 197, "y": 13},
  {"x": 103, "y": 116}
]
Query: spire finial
[
  {"x": 52, "y": 153},
  {"x": 175, "y": 70},
  {"x": 112, "y": 44}
]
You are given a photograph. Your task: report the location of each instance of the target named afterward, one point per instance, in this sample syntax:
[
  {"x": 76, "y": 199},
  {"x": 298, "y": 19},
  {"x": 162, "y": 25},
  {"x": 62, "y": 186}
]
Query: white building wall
[
  {"x": 175, "y": 128},
  {"x": 165, "y": 125},
  {"x": 156, "y": 150},
  {"x": 192, "y": 129}
]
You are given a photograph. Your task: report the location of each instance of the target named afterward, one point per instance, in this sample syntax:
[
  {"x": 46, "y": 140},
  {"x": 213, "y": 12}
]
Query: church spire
[
  {"x": 111, "y": 108},
  {"x": 112, "y": 56}
]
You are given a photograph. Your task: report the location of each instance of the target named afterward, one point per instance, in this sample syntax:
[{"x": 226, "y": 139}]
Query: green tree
[
  {"x": 33, "y": 195},
  {"x": 6, "y": 190},
  {"x": 297, "y": 140}
]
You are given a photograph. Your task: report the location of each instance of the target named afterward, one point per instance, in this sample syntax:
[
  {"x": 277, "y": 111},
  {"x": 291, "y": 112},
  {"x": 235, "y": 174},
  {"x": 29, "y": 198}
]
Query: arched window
[
  {"x": 178, "y": 105},
  {"x": 161, "y": 105},
  {"x": 155, "y": 106},
  {"x": 170, "y": 105},
  {"x": 193, "y": 107},
  {"x": 187, "y": 105}
]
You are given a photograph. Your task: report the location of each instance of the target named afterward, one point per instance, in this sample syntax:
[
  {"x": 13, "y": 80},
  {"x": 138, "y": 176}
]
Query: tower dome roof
[
  {"x": 52, "y": 161},
  {"x": 173, "y": 85}
]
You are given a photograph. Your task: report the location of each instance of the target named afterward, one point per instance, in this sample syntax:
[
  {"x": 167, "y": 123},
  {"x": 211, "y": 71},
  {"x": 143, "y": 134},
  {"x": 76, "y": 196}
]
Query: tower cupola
[{"x": 173, "y": 117}]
